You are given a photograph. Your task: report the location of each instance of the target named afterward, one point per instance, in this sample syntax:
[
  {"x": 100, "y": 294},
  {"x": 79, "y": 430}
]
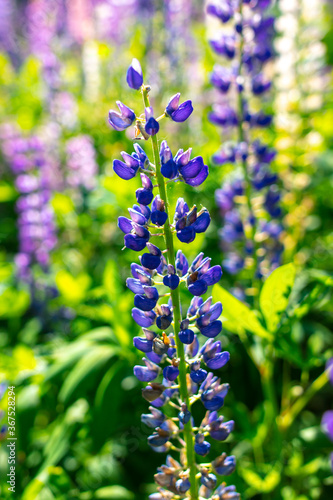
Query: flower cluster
[
  {"x": 81, "y": 162},
  {"x": 249, "y": 200},
  {"x": 36, "y": 227},
  {"x": 176, "y": 363}
]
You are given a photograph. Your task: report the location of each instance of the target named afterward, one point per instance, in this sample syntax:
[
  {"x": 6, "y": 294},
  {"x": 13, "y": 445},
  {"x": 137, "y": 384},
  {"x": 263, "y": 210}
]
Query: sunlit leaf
[
  {"x": 238, "y": 314},
  {"x": 88, "y": 366},
  {"x": 73, "y": 289},
  {"x": 13, "y": 303},
  {"x": 115, "y": 492},
  {"x": 274, "y": 296}
]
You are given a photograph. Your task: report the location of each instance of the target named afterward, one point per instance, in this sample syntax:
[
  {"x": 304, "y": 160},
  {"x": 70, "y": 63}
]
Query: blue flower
[
  {"x": 151, "y": 260},
  {"x": 134, "y": 76},
  {"x": 146, "y": 373},
  {"x": 201, "y": 275},
  {"x": 208, "y": 480},
  {"x": 194, "y": 172},
  {"x": 225, "y": 46},
  {"x": 128, "y": 168},
  {"x": 223, "y": 115},
  {"x": 197, "y": 374},
  {"x": 178, "y": 112},
  {"x": 201, "y": 447},
  {"x": 260, "y": 84},
  {"x": 169, "y": 168},
  {"x": 184, "y": 415},
  {"x": 183, "y": 485},
  {"x": 221, "y": 9},
  {"x": 124, "y": 119},
  {"x": 213, "y": 357},
  {"x": 213, "y": 393},
  {"x": 143, "y": 318},
  {"x": 188, "y": 222},
  {"x": 153, "y": 419},
  {"x": 171, "y": 280},
  {"x": 158, "y": 213},
  {"x": 164, "y": 317},
  {"x": 145, "y": 195},
  {"x": 170, "y": 373},
  {"x": 224, "y": 466},
  {"x": 152, "y": 126},
  {"x": 221, "y": 78},
  {"x": 148, "y": 300},
  {"x": 181, "y": 263}
]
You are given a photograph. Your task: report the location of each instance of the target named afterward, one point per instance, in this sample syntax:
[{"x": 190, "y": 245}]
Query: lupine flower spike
[
  {"x": 249, "y": 199},
  {"x": 179, "y": 346}
]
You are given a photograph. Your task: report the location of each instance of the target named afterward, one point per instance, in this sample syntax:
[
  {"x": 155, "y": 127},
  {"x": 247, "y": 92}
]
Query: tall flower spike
[
  {"x": 178, "y": 356},
  {"x": 242, "y": 83}
]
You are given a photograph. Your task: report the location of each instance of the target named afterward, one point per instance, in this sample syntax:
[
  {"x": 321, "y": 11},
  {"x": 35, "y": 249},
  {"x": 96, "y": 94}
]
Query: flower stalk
[
  {"x": 175, "y": 296},
  {"x": 182, "y": 380}
]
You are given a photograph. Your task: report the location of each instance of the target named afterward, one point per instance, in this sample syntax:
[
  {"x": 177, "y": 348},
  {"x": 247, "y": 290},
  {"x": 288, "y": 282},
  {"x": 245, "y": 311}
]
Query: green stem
[
  {"x": 287, "y": 418},
  {"x": 175, "y": 296}
]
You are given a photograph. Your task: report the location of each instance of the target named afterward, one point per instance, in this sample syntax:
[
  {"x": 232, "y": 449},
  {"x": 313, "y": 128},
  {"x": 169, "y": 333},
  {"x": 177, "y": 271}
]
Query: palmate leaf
[
  {"x": 266, "y": 484},
  {"x": 275, "y": 293},
  {"x": 238, "y": 315}
]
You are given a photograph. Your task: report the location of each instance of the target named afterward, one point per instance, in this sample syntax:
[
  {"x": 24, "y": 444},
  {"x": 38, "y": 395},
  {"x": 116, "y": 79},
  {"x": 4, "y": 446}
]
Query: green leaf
[
  {"x": 275, "y": 293},
  {"x": 266, "y": 484},
  {"x": 115, "y": 492},
  {"x": 7, "y": 192},
  {"x": 13, "y": 303},
  {"x": 238, "y": 315},
  {"x": 73, "y": 289},
  {"x": 86, "y": 367}
]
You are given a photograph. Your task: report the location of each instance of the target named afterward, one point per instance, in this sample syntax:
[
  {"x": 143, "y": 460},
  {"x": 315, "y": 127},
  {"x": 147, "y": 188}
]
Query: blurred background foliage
[{"x": 66, "y": 333}]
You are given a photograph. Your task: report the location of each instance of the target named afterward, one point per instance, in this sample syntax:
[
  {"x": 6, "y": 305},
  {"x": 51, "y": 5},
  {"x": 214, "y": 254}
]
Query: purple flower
[
  {"x": 202, "y": 275},
  {"x": 329, "y": 369},
  {"x": 223, "y": 115},
  {"x": 194, "y": 172},
  {"x": 327, "y": 423},
  {"x": 146, "y": 373},
  {"x": 221, "y": 9},
  {"x": 169, "y": 168},
  {"x": 189, "y": 223},
  {"x": 171, "y": 280},
  {"x": 128, "y": 168},
  {"x": 213, "y": 392},
  {"x": 224, "y": 466},
  {"x": 178, "y": 112},
  {"x": 225, "y": 46},
  {"x": 143, "y": 318},
  {"x": 134, "y": 76},
  {"x": 145, "y": 195},
  {"x": 221, "y": 78},
  {"x": 152, "y": 259},
  {"x": 181, "y": 263},
  {"x": 158, "y": 213},
  {"x": 153, "y": 419},
  {"x": 152, "y": 126},
  {"x": 124, "y": 119},
  {"x": 201, "y": 447}
]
